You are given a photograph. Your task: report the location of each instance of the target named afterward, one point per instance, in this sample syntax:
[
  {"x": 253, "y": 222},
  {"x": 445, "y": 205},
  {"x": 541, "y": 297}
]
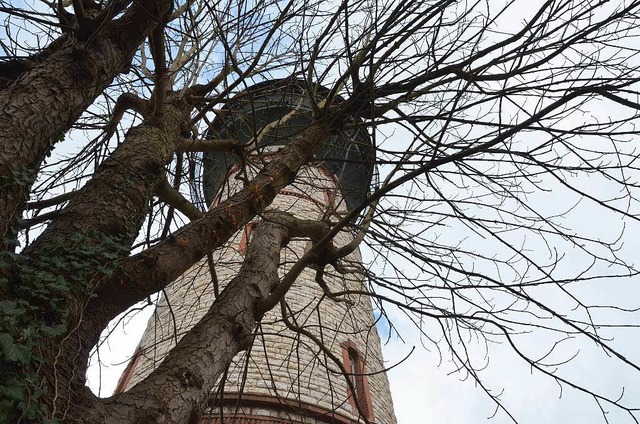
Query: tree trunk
[
  {"x": 177, "y": 391},
  {"x": 44, "y": 102}
]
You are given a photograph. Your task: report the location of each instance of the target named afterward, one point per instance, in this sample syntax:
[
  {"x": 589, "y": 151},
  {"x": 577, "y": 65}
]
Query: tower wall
[{"x": 284, "y": 376}]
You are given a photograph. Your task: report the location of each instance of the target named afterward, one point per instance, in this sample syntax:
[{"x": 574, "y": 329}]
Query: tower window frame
[{"x": 354, "y": 364}]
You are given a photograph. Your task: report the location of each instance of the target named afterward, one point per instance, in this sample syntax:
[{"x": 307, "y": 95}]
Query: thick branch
[
  {"x": 37, "y": 109},
  {"x": 114, "y": 201},
  {"x": 210, "y": 146},
  {"x": 157, "y": 44},
  {"x": 172, "y": 197},
  {"x": 315, "y": 230},
  {"x": 101, "y": 220},
  {"x": 178, "y": 390},
  {"x": 53, "y": 201},
  {"x": 150, "y": 271},
  {"x": 125, "y": 102}
]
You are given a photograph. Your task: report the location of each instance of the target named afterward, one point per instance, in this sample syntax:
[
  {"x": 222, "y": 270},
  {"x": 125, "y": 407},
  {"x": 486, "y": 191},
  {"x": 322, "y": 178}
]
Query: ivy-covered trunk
[
  {"x": 59, "y": 292},
  {"x": 50, "y": 283},
  {"x": 44, "y": 289}
]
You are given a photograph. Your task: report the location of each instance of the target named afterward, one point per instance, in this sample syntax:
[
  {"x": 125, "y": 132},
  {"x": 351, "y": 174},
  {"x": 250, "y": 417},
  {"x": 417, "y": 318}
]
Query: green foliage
[{"x": 41, "y": 291}]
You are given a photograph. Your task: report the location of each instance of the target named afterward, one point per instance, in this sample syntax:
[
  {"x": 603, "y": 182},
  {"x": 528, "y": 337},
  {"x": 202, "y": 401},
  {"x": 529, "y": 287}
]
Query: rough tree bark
[
  {"x": 61, "y": 291},
  {"x": 76, "y": 276},
  {"x": 44, "y": 101},
  {"x": 177, "y": 391},
  {"x": 105, "y": 216}
]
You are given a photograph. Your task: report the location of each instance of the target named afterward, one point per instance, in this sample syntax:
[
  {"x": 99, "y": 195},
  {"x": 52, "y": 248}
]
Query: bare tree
[{"x": 105, "y": 107}]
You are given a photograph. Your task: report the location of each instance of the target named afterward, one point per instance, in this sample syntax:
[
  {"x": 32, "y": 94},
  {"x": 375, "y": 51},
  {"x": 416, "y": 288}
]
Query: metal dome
[{"x": 349, "y": 156}]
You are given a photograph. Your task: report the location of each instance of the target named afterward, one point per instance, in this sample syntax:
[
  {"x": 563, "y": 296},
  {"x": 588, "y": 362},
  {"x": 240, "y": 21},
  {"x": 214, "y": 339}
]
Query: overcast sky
[{"x": 427, "y": 388}]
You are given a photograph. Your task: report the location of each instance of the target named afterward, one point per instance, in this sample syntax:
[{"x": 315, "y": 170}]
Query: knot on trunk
[{"x": 189, "y": 379}]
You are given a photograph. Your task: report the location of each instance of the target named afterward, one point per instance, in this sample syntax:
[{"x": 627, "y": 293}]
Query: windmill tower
[{"x": 285, "y": 377}]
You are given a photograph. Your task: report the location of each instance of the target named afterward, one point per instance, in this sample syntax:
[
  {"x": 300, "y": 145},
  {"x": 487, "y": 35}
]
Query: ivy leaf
[
  {"x": 9, "y": 307},
  {"x": 11, "y": 392},
  {"x": 12, "y": 351},
  {"x": 55, "y": 330}
]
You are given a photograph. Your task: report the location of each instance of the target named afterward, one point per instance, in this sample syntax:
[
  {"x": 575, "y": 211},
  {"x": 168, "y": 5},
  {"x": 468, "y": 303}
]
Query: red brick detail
[
  {"x": 243, "y": 419},
  {"x": 128, "y": 372},
  {"x": 259, "y": 401},
  {"x": 330, "y": 196},
  {"x": 362, "y": 399},
  {"x": 246, "y": 236}
]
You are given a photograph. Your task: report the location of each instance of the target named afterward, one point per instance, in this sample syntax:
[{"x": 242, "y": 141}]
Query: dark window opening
[
  {"x": 353, "y": 369},
  {"x": 354, "y": 364}
]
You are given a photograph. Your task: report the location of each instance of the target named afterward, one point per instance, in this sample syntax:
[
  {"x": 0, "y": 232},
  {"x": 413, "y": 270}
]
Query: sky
[{"x": 428, "y": 387}]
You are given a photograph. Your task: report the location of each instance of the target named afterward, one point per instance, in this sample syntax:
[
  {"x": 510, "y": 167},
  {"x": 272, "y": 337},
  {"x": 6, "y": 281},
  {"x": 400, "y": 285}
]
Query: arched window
[{"x": 354, "y": 364}]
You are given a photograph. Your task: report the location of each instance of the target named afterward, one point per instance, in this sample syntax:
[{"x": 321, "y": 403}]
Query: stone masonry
[{"x": 284, "y": 377}]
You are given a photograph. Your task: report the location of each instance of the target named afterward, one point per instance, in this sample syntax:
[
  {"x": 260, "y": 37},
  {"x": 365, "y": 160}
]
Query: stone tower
[{"x": 285, "y": 377}]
